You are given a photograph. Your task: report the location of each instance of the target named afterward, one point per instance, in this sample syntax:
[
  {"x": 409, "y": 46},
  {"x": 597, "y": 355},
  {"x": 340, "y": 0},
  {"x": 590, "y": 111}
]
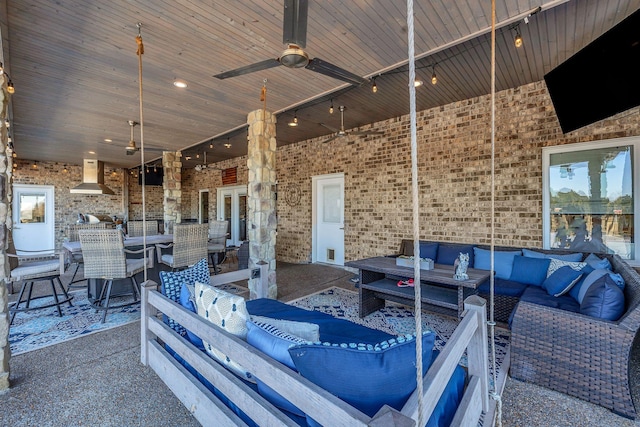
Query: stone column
[
  {"x": 5, "y": 227},
  {"x": 172, "y": 186},
  {"x": 262, "y": 221}
]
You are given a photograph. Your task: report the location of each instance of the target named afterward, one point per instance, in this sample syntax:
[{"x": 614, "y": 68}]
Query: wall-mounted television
[
  {"x": 151, "y": 177},
  {"x": 600, "y": 80}
]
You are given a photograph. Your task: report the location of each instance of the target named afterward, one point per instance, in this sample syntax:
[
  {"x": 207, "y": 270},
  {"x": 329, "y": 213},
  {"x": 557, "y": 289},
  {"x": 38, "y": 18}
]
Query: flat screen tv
[
  {"x": 600, "y": 80},
  {"x": 151, "y": 177}
]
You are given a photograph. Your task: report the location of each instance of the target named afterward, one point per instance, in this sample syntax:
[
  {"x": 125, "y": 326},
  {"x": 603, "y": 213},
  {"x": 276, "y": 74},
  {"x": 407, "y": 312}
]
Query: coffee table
[{"x": 440, "y": 292}]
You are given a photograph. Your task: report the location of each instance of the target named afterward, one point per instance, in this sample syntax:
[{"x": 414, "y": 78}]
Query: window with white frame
[{"x": 588, "y": 197}]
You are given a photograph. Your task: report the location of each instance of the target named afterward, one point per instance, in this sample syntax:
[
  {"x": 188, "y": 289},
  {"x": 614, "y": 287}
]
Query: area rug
[
  {"x": 37, "y": 329},
  {"x": 399, "y": 319}
]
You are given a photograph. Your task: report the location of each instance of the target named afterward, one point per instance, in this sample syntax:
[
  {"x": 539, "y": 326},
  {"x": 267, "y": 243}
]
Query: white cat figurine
[{"x": 461, "y": 265}]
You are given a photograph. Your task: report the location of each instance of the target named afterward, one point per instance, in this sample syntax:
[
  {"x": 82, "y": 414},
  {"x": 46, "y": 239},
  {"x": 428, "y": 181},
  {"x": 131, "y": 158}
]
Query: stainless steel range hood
[{"x": 92, "y": 179}]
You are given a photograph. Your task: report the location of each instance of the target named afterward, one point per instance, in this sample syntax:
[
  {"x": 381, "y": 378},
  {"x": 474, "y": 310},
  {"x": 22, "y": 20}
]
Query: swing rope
[
  {"x": 492, "y": 324},
  {"x": 416, "y": 211},
  {"x": 140, "y": 52}
]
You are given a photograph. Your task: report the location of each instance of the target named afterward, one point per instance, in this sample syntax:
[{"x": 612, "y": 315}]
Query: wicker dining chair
[
  {"x": 134, "y": 228},
  {"x": 190, "y": 242},
  {"x": 217, "y": 243},
  {"x": 72, "y": 234},
  {"x": 32, "y": 268},
  {"x": 105, "y": 259}
]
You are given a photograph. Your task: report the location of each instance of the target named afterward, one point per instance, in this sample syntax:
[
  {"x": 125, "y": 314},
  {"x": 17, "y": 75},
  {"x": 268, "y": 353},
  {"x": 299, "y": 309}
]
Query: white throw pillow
[{"x": 229, "y": 312}]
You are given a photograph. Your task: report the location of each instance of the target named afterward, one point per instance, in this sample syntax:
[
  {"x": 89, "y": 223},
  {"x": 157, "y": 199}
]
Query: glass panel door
[{"x": 232, "y": 207}]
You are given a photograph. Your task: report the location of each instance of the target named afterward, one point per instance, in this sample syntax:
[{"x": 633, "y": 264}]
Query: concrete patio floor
[{"x": 98, "y": 379}]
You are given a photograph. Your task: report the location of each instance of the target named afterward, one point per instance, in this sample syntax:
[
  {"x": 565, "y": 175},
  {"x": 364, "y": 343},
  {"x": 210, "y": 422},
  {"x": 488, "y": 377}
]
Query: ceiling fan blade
[
  {"x": 324, "y": 67},
  {"x": 332, "y": 129},
  {"x": 258, "y": 66},
  {"x": 331, "y": 139},
  {"x": 294, "y": 28}
]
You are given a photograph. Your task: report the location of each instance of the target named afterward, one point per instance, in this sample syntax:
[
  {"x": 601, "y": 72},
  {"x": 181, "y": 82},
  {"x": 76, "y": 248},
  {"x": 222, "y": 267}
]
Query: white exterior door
[
  {"x": 33, "y": 217},
  {"x": 232, "y": 207},
  {"x": 328, "y": 219}
]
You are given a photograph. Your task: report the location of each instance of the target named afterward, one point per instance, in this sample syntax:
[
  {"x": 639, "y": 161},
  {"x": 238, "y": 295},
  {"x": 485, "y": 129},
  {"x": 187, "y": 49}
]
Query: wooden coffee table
[{"x": 440, "y": 292}]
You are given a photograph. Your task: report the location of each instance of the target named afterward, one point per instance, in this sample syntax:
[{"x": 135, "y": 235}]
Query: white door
[
  {"x": 328, "y": 219},
  {"x": 232, "y": 207},
  {"x": 33, "y": 217}
]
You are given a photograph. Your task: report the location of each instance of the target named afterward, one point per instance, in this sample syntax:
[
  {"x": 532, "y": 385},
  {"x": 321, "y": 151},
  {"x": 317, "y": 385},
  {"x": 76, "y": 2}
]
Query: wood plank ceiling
[{"x": 75, "y": 68}]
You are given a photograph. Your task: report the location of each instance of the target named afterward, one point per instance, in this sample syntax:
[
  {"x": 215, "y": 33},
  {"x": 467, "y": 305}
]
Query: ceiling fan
[
  {"x": 342, "y": 132},
  {"x": 294, "y": 35},
  {"x": 131, "y": 147}
]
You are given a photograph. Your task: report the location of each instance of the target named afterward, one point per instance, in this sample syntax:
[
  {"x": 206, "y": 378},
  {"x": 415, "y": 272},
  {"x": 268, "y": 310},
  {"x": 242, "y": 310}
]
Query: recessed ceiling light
[
  {"x": 92, "y": 152},
  {"x": 180, "y": 83},
  {"x": 108, "y": 140}
]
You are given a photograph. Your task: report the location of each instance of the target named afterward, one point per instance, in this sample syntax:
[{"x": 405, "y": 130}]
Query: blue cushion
[
  {"x": 596, "y": 262},
  {"x": 561, "y": 281},
  {"x": 588, "y": 281},
  {"x": 530, "y": 271},
  {"x": 536, "y": 295},
  {"x": 274, "y": 343},
  {"x": 429, "y": 250},
  {"x": 188, "y": 301},
  {"x": 503, "y": 287},
  {"x": 448, "y": 253},
  {"x": 171, "y": 285},
  {"x": 604, "y": 300},
  {"x": 503, "y": 261},
  {"x": 365, "y": 376},
  {"x": 575, "y": 289},
  {"x": 574, "y": 257}
]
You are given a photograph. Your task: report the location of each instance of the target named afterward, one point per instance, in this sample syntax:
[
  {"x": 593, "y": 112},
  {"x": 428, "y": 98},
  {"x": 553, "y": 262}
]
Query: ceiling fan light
[
  {"x": 294, "y": 57},
  {"x": 132, "y": 146}
]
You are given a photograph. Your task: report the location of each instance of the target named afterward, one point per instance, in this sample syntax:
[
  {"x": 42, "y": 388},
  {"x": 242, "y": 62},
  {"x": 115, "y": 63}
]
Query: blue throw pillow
[
  {"x": 448, "y": 253},
  {"x": 503, "y": 261},
  {"x": 574, "y": 257},
  {"x": 530, "y": 271},
  {"x": 575, "y": 289},
  {"x": 588, "y": 281},
  {"x": 561, "y": 281},
  {"x": 366, "y": 376},
  {"x": 188, "y": 301},
  {"x": 429, "y": 250},
  {"x": 603, "y": 300},
  {"x": 596, "y": 262},
  {"x": 171, "y": 284}
]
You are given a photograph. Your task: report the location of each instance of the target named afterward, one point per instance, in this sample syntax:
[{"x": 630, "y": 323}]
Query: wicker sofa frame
[
  {"x": 469, "y": 336},
  {"x": 570, "y": 352}
]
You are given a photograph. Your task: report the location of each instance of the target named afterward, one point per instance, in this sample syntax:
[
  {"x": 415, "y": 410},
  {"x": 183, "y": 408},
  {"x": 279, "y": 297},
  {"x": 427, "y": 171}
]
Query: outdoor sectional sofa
[
  {"x": 282, "y": 396},
  {"x": 553, "y": 342}
]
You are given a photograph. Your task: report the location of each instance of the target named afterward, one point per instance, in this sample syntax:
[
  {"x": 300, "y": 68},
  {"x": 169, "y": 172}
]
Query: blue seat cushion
[
  {"x": 358, "y": 373},
  {"x": 429, "y": 250},
  {"x": 449, "y": 252},
  {"x": 503, "y": 261},
  {"x": 604, "y": 300},
  {"x": 530, "y": 271},
  {"x": 503, "y": 287},
  {"x": 536, "y": 295},
  {"x": 331, "y": 329},
  {"x": 171, "y": 285}
]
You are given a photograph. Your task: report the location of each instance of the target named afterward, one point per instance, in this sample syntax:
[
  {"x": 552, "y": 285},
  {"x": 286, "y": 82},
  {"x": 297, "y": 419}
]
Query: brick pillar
[
  {"x": 172, "y": 186},
  {"x": 5, "y": 227},
  {"x": 262, "y": 222}
]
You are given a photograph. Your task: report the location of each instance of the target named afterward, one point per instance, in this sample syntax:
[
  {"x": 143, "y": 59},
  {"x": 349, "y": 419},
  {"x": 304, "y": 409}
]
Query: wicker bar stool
[
  {"x": 33, "y": 268},
  {"x": 105, "y": 258},
  {"x": 72, "y": 234},
  {"x": 190, "y": 242}
]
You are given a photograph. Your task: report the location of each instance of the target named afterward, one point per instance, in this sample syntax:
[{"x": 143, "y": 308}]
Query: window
[{"x": 588, "y": 201}]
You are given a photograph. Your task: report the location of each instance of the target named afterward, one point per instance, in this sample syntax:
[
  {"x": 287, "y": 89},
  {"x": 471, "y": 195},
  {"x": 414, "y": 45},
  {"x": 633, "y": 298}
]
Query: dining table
[{"x": 73, "y": 247}]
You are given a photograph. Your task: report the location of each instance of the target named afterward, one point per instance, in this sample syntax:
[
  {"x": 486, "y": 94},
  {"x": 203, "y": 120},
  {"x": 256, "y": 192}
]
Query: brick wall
[{"x": 68, "y": 205}]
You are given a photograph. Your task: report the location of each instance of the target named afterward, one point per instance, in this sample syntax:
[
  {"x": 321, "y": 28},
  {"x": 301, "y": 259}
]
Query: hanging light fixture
[
  {"x": 434, "y": 78},
  {"x": 518, "y": 39},
  {"x": 10, "y": 88},
  {"x": 65, "y": 170},
  {"x": 294, "y": 122},
  {"x": 331, "y": 107},
  {"x": 228, "y": 144},
  {"x": 418, "y": 83},
  {"x": 374, "y": 87}
]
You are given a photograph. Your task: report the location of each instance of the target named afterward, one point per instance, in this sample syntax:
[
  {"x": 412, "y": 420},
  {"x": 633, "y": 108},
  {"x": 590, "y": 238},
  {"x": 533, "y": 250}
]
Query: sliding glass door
[{"x": 232, "y": 207}]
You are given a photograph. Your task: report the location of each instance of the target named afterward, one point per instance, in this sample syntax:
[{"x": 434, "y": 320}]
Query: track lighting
[
  {"x": 331, "y": 107},
  {"x": 374, "y": 88}
]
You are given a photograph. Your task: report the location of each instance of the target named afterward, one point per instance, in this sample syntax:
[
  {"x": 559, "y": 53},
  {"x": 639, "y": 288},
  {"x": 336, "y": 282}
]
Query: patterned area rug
[
  {"x": 37, "y": 329},
  {"x": 399, "y": 319}
]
